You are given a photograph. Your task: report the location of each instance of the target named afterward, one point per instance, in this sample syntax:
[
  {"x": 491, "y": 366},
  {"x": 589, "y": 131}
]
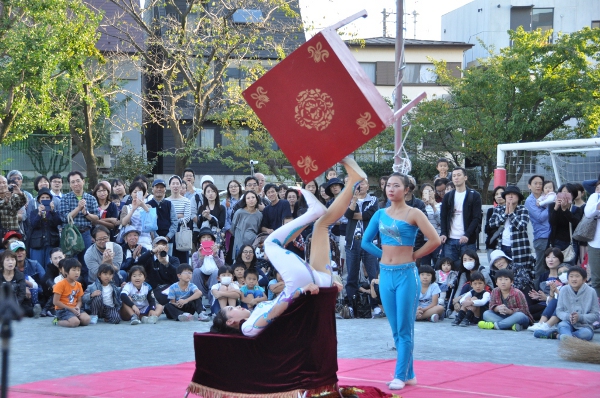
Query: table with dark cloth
[{"x": 297, "y": 352}]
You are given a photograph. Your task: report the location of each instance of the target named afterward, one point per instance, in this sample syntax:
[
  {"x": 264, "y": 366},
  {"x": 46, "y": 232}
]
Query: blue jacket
[{"x": 539, "y": 218}]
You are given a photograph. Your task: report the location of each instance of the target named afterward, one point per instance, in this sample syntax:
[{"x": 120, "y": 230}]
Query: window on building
[
  {"x": 595, "y": 24},
  {"x": 531, "y": 18},
  {"x": 207, "y": 138},
  {"x": 542, "y": 18},
  {"x": 370, "y": 69},
  {"x": 240, "y": 133},
  {"x": 419, "y": 74},
  {"x": 244, "y": 16}
]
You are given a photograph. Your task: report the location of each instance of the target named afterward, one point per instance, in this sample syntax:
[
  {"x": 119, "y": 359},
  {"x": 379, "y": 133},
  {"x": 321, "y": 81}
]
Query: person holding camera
[
  {"x": 11, "y": 201},
  {"x": 359, "y": 213},
  {"x": 161, "y": 269}
]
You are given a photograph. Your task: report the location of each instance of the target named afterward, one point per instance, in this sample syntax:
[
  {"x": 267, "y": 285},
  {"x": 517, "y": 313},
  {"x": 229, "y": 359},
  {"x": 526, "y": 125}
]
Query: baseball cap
[
  {"x": 12, "y": 234},
  {"x": 16, "y": 245},
  {"x": 158, "y": 181},
  {"x": 159, "y": 239}
]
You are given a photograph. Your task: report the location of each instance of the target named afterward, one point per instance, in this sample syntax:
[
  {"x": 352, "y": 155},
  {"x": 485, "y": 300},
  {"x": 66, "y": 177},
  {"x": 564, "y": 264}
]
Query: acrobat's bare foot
[{"x": 355, "y": 173}]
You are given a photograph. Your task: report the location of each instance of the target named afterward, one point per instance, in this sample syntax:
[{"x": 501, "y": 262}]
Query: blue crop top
[{"x": 392, "y": 232}]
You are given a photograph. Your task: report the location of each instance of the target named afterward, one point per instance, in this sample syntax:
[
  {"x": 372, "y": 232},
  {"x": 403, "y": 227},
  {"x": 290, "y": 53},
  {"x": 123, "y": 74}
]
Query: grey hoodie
[{"x": 584, "y": 302}]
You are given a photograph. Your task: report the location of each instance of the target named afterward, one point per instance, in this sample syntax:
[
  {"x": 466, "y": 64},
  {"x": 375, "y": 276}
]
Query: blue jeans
[
  {"x": 506, "y": 322},
  {"x": 400, "y": 287},
  {"x": 354, "y": 254},
  {"x": 42, "y": 256},
  {"x": 454, "y": 250},
  {"x": 566, "y": 329},
  {"x": 550, "y": 308},
  {"x": 87, "y": 241},
  {"x": 431, "y": 258}
]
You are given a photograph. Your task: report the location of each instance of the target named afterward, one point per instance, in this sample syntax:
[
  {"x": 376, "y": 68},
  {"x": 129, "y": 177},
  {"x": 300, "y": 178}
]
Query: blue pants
[
  {"x": 566, "y": 329},
  {"x": 506, "y": 322},
  {"x": 550, "y": 308},
  {"x": 354, "y": 254},
  {"x": 400, "y": 287},
  {"x": 454, "y": 250},
  {"x": 42, "y": 256}
]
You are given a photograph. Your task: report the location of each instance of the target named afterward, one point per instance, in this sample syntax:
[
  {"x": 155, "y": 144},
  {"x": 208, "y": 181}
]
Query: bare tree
[{"x": 186, "y": 51}]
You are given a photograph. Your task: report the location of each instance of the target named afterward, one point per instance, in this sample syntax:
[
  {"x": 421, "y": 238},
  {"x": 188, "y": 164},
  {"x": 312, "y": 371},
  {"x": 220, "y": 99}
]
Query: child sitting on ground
[
  {"x": 508, "y": 306},
  {"x": 446, "y": 278},
  {"x": 376, "y": 299},
  {"x": 238, "y": 275},
  {"x": 185, "y": 298},
  {"x": 252, "y": 294},
  {"x": 67, "y": 297},
  {"x": 577, "y": 308},
  {"x": 139, "y": 303},
  {"x": 473, "y": 303},
  {"x": 275, "y": 286},
  {"x": 549, "y": 320},
  {"x": 102, "y": 298},
  {"x": 226, "y": 292},
  {"x": 429, "y": 309}
]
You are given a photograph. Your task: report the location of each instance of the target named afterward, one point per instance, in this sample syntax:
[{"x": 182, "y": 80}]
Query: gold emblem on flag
[
  {"x": 260, "y": 96},
  {"x": 314, "y": 109},
  {"x": 365, "y": 124},
  {"x": 307, "y": 164},
  {"x": 317, "y": 53}
]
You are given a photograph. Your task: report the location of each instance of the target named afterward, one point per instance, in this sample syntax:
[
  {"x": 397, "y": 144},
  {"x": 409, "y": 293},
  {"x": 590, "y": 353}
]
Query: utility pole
[
  {"x": 414, "y": 14},
  {"x": 385, "y": 16},
  {"x": 399, "y": 60}
]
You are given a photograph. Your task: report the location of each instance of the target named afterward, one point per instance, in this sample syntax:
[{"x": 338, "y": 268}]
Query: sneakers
[
  {"x": 486, "y": 325},
  {"x": 135, "y": 320},
  {"x": 435, "y": 318},
  {"x": 55, "y": 321},
  {"x": 517, "y": 327},
  {"x": 545, "y": 334},
  {"x": 152, "y": 319},
  {"x": 37, "y": 310},
  {"x": 93, "y": 319},
  {"x": 596, "y": 325},
  {"x": 396, "y": 384},
  {"x": 185, "y": 317},
  {"x": 202, "y": 317},
  {"x": 441, "y": 302},
  {"x": 465, "y": 322},
  {"x": 539, "y": 326},
  {"x": 379, "y": 315},
  {"x": 452, "y": 314}
]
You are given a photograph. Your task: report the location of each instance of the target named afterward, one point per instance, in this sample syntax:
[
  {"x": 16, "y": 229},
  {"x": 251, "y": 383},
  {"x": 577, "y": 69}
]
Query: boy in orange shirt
[{"x": 67, "y": 296}]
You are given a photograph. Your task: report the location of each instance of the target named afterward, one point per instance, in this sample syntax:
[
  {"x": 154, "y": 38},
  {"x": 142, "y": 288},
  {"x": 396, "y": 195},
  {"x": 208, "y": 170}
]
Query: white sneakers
[
  {"x": 540, "y": 326},
  {"x": 93, "y": 319},
  {"x": 398, "y": 384}
]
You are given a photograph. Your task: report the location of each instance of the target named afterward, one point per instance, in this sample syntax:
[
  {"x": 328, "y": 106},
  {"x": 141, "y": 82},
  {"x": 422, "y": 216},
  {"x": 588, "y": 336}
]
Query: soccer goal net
[{"x": 562, "y": 161}]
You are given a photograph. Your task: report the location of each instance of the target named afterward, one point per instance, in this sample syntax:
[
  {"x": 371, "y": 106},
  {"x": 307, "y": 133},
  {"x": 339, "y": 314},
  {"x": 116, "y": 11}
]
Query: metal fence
[{"x": 38, "y": 154}]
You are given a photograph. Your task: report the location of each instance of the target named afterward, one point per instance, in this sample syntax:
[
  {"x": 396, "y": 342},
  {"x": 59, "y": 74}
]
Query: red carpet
[{"x": 436, "y": 379}]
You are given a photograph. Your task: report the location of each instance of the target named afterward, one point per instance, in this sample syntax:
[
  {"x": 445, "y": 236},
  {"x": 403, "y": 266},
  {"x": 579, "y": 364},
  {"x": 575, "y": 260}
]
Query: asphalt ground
[{"x": 40, "y": 350}]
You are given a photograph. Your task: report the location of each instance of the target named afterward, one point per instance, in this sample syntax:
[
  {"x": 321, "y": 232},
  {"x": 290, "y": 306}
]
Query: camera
[
  {"x": 162, "y": 253},
  {"x": 253, "y": 162},
  {"x": 11, "y": 185}
]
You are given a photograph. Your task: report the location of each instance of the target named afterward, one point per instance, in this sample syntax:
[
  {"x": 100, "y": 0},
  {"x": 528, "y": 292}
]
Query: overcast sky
[{"x": 322, "y": 13}]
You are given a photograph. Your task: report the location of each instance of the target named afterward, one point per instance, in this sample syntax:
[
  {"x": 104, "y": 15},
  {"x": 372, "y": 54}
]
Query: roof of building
[{"x": 391, "y": 41}]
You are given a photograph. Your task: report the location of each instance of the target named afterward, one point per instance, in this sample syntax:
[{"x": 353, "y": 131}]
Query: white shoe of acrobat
[{"x": 411, "y": 382}]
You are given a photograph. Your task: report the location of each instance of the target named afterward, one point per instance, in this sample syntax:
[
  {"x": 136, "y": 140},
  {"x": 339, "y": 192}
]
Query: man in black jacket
[
  {"x": 359, "y": 213},
  {"x": 161, "y": 269},
  {"x": 460, "y": 217}
]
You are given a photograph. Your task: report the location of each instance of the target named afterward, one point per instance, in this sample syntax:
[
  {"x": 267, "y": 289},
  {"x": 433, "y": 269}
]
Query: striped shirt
[{"x": 182, "y": 206}]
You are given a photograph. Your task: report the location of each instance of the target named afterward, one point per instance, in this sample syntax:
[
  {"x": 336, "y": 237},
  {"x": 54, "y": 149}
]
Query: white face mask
[
  {"x": 563, "y": 278},
  {"x": 225, "y": 280},
  {"x": 469, "y": 265}
]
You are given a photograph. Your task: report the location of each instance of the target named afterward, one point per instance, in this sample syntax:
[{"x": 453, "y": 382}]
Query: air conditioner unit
[{"x": 116, "y": 138}]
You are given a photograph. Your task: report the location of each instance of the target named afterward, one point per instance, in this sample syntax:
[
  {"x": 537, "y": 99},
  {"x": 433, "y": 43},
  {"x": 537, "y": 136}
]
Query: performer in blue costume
[{"x": 400, "y": 285}]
